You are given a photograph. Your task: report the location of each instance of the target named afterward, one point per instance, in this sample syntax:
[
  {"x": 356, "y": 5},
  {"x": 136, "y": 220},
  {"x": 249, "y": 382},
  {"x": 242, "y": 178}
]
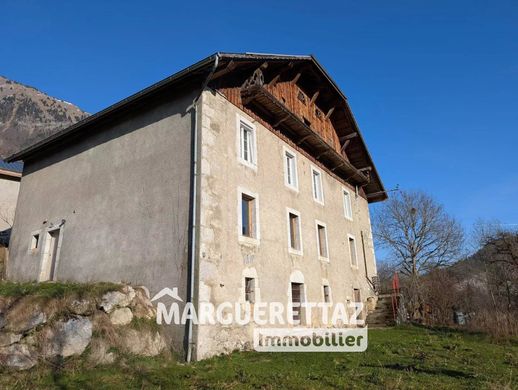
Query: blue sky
[{"x": 433, "y": 84}]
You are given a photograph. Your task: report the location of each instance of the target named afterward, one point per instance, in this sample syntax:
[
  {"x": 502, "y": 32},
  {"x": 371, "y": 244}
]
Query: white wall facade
[{"x": 225, "y": 259}]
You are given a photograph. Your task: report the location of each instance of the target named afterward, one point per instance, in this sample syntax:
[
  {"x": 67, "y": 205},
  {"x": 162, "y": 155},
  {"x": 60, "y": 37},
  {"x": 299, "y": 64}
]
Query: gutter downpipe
[{"x": 194, "y": 209}]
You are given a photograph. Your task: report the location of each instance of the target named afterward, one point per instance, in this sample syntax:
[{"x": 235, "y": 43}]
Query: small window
[
  {"x": 318, "y": 113},
  {"x": 247, "y": 147},
  {"x": 327, "y": 294},
  {"x": 290, "y": 169},
  {"x": 318, "y": 194},
  {"x": 295, "y": 244},
  {"x": 250, "y": 290},
  {"x": 35, "y": 241},
  {"x": 306, "y": 121},
  {"x": 352, "y": 251},
  {"x": 247, "y": 216},
  {"x": 348, "y": 210},
  {"x": 322, "y": 241}
]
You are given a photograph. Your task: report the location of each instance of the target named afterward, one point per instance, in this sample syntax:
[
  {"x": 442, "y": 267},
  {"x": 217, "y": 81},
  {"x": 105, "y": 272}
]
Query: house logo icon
[{"x": 172, "y": 293}]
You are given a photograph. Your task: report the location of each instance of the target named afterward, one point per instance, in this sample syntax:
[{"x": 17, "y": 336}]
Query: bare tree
[
  {"x": 418, "y": 232},
  {"x": 7, "y": 216},
  {"x": 499, "y": 253},
  {"x": 420, "y": 236}
]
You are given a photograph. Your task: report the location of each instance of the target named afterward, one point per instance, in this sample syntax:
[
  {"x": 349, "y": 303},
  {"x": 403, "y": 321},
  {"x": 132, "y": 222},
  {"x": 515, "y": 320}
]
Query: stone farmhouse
[{"x": 241, "y": 178}]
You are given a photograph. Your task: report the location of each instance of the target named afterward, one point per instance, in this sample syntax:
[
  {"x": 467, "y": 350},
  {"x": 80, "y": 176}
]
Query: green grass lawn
[{"x": 407, "y": 357}]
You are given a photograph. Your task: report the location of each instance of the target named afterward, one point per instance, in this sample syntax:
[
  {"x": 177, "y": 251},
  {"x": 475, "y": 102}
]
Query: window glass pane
[
  {"x": 250, "y": 290},
  {"x": 289, "y": 161},
  {"x": 294, "y": 231},
  {"x": 347, "y": 205},
  {"x": 316, "y": 192},
  {"x": 247, "y": 143},
  {"x": 352, "y": 249},
  {"x": 322, "y": 241},
  {"x": 247, "y": 215}
]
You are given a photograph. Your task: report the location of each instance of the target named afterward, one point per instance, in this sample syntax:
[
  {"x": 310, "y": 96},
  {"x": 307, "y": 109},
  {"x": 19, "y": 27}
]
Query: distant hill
[{"x": 28, "y": 115}]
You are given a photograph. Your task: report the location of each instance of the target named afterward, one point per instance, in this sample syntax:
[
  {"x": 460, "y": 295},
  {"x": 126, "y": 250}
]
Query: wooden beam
[
  {"x": 338, "y": 166},
  {"x": 229, "y": 68},
  {"x": 330, "y": 112},
  {"x": 274, "y": 80},
  {"x": 314, "y": 97},
  {"x": 323, "y": 153},
  {"x": 296, "y": 78},
  {"x": 346, "y": 143},
  {"x": 349, "y": 136},
  {"x": 281, "y": 120},
  {"x": 304, "y": 138}
]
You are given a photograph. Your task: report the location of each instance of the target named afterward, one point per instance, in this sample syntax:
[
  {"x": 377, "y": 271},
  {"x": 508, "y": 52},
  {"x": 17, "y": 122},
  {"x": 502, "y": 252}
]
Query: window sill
[
  {"x": 320, "y": 202},
  {"x": 248, "y": 241},
  {"x": 248, "y": 164},
  {"x": 292, "y": 188},
  {"x": 324, "y": 259},
  {"x": 296, "y": 252}
]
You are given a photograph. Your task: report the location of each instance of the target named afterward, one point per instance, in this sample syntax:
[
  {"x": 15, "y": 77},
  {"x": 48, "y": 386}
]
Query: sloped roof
[
  {"x": 216, "y": 65},
  {"x": 11, "y": 166}
]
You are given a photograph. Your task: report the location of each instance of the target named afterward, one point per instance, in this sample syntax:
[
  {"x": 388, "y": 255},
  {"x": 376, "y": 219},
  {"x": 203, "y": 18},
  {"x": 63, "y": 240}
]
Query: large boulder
[
  {"x": 141, "y": 305},
  {"x": 100, "y": 352},
  {"x": 17, "y": 356},
  {"x": 81, "y": 307},
  {"x": 67, "y": 338},
  {"x": 9, "y": 338},
  {"x": 5, "y": 303},
  {"x": 22, "y": 321},
  {"x": 143, "y": 342},
  {"x": 117, "y": 299},
  {"x": 121, "y": 316}
]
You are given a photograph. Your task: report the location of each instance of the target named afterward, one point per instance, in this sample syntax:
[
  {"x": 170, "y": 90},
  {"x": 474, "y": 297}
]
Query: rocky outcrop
[
  {"x": 36, "y": 329},
  {"x": 28, "y": 115}
]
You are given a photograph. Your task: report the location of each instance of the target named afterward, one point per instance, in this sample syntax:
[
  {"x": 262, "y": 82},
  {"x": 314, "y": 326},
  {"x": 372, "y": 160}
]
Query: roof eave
[{"x": 38, "y": 146}]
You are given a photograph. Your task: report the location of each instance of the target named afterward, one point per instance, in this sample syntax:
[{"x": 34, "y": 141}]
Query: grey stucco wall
[
  {"x": 124, "y": 194},
  {"x": 224, "y": 260}
]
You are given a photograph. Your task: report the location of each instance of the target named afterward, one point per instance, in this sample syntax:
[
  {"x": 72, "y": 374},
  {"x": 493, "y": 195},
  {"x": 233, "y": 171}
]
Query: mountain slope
[{"x": 28, "y": 115}]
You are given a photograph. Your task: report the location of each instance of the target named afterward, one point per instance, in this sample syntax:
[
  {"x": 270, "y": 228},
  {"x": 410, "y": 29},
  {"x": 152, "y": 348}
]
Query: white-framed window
[
  {"x": 322, "y": 245},
  {"x": 290, "y": 169},
  {"x": 294, "y": 232},
  {"x": 247, "y": 145},
  {"x": 348, "y": 209},
  {"x": 353, "y": 254},
  {"x": 316, "y": 181},
  {"x": 248, "y": 216}
]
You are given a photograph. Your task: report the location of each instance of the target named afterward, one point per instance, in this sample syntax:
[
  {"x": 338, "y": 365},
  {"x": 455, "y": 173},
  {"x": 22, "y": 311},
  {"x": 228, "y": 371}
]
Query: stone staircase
[{"x": 382, "y": 316}]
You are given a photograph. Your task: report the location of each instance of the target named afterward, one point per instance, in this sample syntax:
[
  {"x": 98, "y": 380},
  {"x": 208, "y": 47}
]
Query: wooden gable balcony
[{"x": 296, "y": 115}]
